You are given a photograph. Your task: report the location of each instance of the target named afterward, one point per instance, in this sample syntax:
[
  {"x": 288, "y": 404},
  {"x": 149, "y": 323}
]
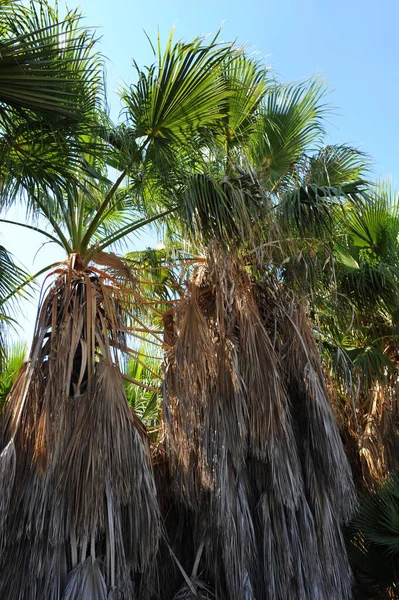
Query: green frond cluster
[{"x": 50, "y": 86}]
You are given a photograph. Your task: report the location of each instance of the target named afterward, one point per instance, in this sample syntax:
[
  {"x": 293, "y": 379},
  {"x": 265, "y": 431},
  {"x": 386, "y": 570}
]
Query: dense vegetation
[{"x": 193, "y": 420}]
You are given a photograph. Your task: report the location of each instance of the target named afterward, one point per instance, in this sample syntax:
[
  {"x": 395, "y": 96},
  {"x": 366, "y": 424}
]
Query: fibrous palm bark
[
  {"x": 78, "y": 513},
  {"x": 255, "y": 455}
]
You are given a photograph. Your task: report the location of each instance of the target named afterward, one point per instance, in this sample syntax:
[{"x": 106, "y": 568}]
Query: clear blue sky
[{"x": 352, "y": 43}]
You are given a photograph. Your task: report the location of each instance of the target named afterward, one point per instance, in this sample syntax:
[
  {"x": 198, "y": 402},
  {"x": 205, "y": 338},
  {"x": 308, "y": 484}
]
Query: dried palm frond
[
  {"x": 255, "y": 455},
  {"x": 370, "y": 428},
  {"x": 197, "y": 590},
  {"x": 86, "y": 581},
  {"x": 84, "y": 515}
]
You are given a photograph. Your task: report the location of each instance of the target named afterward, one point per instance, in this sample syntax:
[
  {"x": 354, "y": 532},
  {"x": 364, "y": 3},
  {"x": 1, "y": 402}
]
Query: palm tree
[
  {"x": 49, "y": 88},
  {"x": 249, "y": 474},
  {"x": 79, "y": 512},
  {"x": 250, "y": 441},
  {"x": 55, "y": 447}
]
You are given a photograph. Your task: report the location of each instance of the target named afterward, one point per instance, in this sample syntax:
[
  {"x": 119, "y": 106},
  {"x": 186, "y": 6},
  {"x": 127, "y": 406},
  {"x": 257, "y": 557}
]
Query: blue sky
[{"x": 351, "y": 43}]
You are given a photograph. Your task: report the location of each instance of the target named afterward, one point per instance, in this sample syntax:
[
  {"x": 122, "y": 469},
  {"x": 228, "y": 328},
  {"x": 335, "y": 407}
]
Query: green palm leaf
[
  {"x": 232, "y": 209},
  {"x": 180, "y": 94},
  {"x": 146, "y": 370},
  {"x": 291, "y": 123},
  {"x": 15, "y": 356},
  {"x": 46, "y": 64},
  {"x": 337, "y": 166},
  {"x": 12, "y": 278},
  {"x": 50, "y": 87},
  {"x": 246, "y": 80},
  {"x": 375, "y": 542}
]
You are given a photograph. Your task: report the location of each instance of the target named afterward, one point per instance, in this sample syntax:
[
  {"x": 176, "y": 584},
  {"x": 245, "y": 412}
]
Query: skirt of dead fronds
[
  {"x": 78, "y": 506},
  {"x": 370, "y": 428},
  {"x": 259, "y": 486}
]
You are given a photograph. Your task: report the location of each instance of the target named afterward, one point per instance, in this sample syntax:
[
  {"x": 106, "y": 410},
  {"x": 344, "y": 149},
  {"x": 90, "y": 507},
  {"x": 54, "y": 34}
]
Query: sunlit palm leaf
[
  {"x": 179, "y": 95},
  {"x": 49, "y": 92},
  {"x": 337, "y": 165},
  {"x": 246, "y": 80},
  {"x": 15, "y": 355},
  {"x": 11, "y": 277},
  {"x": 146, "y": 370},
  {"x": 291, "y": 123},
  {"x": 46, "y": 65}
]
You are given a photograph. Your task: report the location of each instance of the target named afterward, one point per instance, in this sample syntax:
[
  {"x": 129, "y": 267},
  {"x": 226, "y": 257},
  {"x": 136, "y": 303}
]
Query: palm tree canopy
[{"x": 50, "y": 82}]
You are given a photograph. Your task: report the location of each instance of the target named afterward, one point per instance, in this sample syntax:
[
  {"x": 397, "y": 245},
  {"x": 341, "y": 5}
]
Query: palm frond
[
  {"x": 375, "y": 540},
  {"x": 180, "y": 95},
  {"x": 337, "y": 166},
  {"x": 15, "y": 356},
  {"x": 146, "y": 369},
  {"x": 11, "y": 278},
  {"x": 50, "y": 92},
  {"x": 291, "y": 124},
  {"x": 86, "y": 581},
  {"x": 246, "y": 81},
  {"x": 323, "y": 185},
  {"x": 233, "y": 209},
  {"x": 47, "y": 66}
]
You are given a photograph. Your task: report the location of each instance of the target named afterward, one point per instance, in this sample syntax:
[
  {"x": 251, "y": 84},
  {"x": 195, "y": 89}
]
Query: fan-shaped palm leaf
[
  {"x": 46, "y": 65},
  {"x": 179, "y": 95},
  {"x": 375, "y": 542},
  {"x": 49, "y": 90},
  {"x": 291, "y": 123},
  {"x": 247, "y": 84},
  {"x": 337, "y": 166}
]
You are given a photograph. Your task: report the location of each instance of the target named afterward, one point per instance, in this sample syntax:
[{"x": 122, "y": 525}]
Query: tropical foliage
[
  {"x": 14, "y": 359},
  {"x": 374, "y": 545},
  {"x": 50, "y": 79},
  {"x": 171, "y": 434},
  {"x": 49, "y": 89},
  {"x": 357, "y": 319}
]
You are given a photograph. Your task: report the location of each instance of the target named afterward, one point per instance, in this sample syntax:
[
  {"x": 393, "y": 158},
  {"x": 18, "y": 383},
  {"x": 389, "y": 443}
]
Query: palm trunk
[
  {"x": 257, "y": 464},
  {"x": 82, "y": 517}
]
